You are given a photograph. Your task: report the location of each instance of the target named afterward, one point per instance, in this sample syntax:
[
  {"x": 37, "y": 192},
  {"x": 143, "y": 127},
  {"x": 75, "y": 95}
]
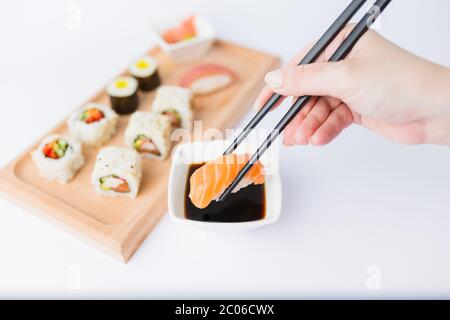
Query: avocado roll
[
  {"x": 176, "y": 103},
  {"x": 145, "y": 70},
  {"x": 149, "y": 134},
  {"x": 123, "y": 94},
  {"x": 117, "y": 172},
  {"x": 58, "y": 158},
  {"x": 93, "y": 124}
]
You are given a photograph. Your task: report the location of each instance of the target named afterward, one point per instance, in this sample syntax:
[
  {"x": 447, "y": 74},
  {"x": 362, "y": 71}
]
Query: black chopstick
[
  {"x": 358, "y": 31},
  {"x": 311, "y": 56}
]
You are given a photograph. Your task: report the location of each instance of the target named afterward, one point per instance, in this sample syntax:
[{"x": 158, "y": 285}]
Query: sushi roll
[
  {"x": 145, "y": 70},
  {"x": 93, "y": 124},
  {"x": 117, "y": 172},
  {"x": 210, "y": 181},
  {"x": 58, "y": 158},
  {"x": 207, "y": 78},
  {"x": 123, "y": 94},
  {"x": 176, "y": 103},
  {"x": 149, "y": 134}
]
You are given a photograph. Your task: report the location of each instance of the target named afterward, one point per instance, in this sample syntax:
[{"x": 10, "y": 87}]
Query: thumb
[{"x": 316, "y": 79}]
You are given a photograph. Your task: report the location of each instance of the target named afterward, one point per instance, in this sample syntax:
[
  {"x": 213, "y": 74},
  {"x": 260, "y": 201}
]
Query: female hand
[{"x": 379, "y": 86}]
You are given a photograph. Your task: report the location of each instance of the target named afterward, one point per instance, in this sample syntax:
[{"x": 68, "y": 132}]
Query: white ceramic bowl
[
  {"x": 197, "y": 152},
  {"x": 187, "y": 50}
]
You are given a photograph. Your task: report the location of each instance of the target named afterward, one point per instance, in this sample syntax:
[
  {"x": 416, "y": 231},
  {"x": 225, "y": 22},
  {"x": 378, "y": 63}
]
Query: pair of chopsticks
[{"x": 358, "y": 31}]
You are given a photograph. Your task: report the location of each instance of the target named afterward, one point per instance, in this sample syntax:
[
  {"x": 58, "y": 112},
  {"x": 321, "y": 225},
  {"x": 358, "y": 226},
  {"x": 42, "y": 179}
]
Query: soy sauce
[{"x": 246, "y": 205}]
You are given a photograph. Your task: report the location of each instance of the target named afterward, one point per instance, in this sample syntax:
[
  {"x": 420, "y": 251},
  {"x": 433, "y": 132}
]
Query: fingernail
[
  {"x": 274, "y": 79},
  {"x": 296, "y": 139},
  {"x": 293, "y": 143},
  {"x": 299, "y": 139},
  {"x": 255, "y": 106},
  {"x": 287, "y": 142}
]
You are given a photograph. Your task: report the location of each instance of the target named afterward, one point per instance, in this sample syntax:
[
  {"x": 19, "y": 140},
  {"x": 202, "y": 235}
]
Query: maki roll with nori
[
  {"x": 123, "y": 94},
  {"x": 93, "y": 124},
  {"x": 149, "y": 134},
  {"x": 58, "y": 158},
  {"x": 145, "y": 70},
  {"x": 176, "y": 103},
  {"x": 117, "y": 172}
]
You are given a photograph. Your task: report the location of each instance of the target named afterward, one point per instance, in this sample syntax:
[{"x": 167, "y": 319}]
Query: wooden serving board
[{"x": 119, "y": 226}]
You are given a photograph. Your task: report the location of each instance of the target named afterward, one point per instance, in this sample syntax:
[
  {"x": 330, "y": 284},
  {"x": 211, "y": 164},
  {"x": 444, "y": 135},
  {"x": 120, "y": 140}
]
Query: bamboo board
[{"x": 119, "y": 226}]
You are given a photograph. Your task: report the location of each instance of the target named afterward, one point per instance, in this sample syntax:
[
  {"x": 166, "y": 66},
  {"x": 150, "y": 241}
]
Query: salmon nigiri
[
  {"x": 207, "y": 78},
  {"x": 210, "y": 181}
]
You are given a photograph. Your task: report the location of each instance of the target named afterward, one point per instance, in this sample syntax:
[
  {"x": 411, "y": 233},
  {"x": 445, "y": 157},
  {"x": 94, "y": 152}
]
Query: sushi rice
[
  {"x": 95, "y": 132},
  {"x": 117, "y": 172},
  {"x": 143, "y": 67},
  {"x": 149, "y": 133},
  {"x": 176, "y": 102},
  {"x": 65, "y": 160}
]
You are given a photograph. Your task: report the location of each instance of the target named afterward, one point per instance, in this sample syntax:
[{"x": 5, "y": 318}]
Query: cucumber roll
[
  {"x": 176, "y": 103},
  {"x": 58, "y": 158},
  {"x": 145, "y": 70},
  {"x": 123, "y": 94},
  {"x": 149, "y": 134},
  {"x": 93, "y": 124},
  {"x": 117, "y": 172}
]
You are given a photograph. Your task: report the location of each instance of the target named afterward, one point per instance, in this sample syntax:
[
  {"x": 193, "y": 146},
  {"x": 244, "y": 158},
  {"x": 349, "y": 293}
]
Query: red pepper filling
[
  {"x": 92, "y": 115},
  {"x": 55, "y": 149}
]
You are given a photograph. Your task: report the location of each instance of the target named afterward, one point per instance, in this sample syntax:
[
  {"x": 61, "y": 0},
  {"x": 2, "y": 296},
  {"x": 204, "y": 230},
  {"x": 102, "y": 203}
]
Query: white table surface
[{"x": 362, "y": 217}]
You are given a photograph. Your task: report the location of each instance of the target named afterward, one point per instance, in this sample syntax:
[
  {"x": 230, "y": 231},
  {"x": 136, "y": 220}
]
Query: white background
[{"x": 359, "y": 202}]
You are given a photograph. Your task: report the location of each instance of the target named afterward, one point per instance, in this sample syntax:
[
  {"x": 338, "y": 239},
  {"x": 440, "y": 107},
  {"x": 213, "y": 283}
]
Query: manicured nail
[{"x": 274, "y": 79}]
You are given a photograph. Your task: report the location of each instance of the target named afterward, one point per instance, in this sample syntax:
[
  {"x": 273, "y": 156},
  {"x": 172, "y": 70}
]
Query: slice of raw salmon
[{"x": 209, "y": 181}]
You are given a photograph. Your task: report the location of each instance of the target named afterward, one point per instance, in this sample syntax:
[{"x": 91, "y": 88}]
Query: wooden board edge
[
  {"x": 12, "y": 185},
  {"x": 142, "y": 229},
  {"x": 113, "y": 249},
  {"x": 10, "y": 190}
]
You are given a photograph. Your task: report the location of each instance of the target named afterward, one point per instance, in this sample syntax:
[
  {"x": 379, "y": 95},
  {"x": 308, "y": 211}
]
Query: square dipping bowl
[
  {"x": 186, "y": 50},
  {"x": 201, "y": 151}
]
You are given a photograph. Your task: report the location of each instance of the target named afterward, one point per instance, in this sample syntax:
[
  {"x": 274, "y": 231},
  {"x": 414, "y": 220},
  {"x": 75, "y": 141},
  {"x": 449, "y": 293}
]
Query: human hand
[{"x": 379, "y": 85}]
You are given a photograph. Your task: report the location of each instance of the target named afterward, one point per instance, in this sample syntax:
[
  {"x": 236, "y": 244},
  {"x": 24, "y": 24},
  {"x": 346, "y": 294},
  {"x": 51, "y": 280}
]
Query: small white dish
[
  {"x": 186, "y": 50},
  {"x": 200, "y": 151}
]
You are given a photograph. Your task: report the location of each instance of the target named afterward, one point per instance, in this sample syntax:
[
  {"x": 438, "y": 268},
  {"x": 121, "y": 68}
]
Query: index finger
[{"x": 266, "y": 92}]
